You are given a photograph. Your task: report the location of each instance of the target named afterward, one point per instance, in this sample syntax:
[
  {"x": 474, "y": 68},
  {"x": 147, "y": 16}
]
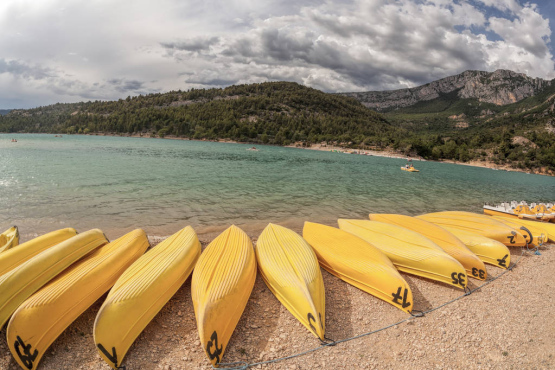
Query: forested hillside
[
  {"x": 274, "y": 112},
  {"x": 521, "y": 135}
]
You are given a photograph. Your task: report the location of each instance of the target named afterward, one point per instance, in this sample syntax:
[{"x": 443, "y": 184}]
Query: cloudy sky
[{"x": 71, "y": 50}]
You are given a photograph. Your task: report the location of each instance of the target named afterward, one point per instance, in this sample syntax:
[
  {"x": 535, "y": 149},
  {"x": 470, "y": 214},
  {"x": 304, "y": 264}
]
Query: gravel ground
[{"x": 505, "y": 325}]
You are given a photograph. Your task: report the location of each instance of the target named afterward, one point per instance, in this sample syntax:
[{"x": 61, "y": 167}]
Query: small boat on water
[{"x": 410, "y": 169}]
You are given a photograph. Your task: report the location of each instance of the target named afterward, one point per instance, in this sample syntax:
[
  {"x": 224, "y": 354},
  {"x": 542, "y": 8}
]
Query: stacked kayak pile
[
  {"x": 47, "y": 282},
  {"x": 534, "y": 211}
]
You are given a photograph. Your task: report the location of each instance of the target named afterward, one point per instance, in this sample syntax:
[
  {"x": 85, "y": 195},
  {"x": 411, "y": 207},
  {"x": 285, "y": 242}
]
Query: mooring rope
[{"x": 242, "y": 365}]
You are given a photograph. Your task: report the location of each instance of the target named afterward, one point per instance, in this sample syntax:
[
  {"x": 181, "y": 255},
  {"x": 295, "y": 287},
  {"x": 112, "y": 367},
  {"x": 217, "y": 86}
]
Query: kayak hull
[
  {"x": 290, "y": 269},
  {"x": 48, "y": 312},
  {"x": 221, "y": 286},
  {"x": 358, "y": 263},
  {"x": 409, "y": 251},
  {"x": 141, "y": 292},
  {"x": 478, "y": 224},
  {"x": 447, "y": 241}
]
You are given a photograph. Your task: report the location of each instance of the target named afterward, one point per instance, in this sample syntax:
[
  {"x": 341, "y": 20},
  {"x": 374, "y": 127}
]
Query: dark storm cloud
[
  {"x": 195, "y": 45},
  {"x": 211, "y": 82},
  {"x": 285, "y": 47},
  {"x": 124, "y": 86},
  {"x": 21, "y": 69}
]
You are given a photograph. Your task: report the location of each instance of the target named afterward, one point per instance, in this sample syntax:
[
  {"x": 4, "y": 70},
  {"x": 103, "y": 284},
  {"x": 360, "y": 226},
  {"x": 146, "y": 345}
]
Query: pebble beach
[{"x": 504, "y": 325}]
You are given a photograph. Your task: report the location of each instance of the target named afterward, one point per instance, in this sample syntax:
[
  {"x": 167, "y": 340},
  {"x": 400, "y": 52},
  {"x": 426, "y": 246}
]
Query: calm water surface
[{"x": 118, "y": 184}]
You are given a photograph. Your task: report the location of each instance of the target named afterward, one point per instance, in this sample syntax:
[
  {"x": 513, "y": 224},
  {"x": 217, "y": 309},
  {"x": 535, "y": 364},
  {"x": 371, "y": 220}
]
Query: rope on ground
[{"x": 245, "y": 365}]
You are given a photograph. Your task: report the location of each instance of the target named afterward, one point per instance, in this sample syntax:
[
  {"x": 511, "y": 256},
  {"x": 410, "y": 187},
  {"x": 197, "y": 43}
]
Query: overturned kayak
[
  {"x": 47, "y": 313},
  {"x": 141, "y": 292},
  {"x": 547, "y": 228},
  {"x": 9, "y": 239},
  {"x": 290, "y": 269},
  {"x": 478, "y": 224},
  {"x": 14, "y": 257},
  {"x": 534, "y": 235},
  {"x": 358, "y": 263},
  {"x": 409, "y": 251},
  {"x": 221, "y": 286},
  {"x": 20, "y": 283},
  {"x": 488, "y": 250},
  {"x": 447, "y": 241}
]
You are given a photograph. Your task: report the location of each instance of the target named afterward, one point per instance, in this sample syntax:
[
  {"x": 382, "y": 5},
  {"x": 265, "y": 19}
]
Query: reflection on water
[{"x": 118, "y": 184}]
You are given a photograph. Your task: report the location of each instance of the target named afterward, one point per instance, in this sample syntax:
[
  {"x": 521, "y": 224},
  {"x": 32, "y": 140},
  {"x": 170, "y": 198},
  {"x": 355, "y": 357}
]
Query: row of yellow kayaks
[{"x": 47, "y": 282}]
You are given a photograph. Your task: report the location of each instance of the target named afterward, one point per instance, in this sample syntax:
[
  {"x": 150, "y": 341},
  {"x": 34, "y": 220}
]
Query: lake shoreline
[{"x": 387, "y": 153}]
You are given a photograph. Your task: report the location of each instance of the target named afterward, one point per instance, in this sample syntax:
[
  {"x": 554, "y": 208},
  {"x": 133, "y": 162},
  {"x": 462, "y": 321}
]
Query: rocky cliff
[{"x": 500, "y": 87}]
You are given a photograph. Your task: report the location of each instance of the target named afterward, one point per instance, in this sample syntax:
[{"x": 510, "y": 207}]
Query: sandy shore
[
  {"x": 507, "y": 324},
  {"x": 393, "y": 154}
]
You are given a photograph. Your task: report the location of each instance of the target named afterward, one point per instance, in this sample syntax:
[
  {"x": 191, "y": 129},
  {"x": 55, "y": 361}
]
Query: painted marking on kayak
[
  {"x": 397, "y": 297},
  {"x": 458, "y": 279},
  {"x": 503, "y": 261},
  {"x": 311, "y": 318},
  {"x": 512, "y": 237},
  {"x": 112, "y": 357},
  {"x": 478, "y": 273},
  {"x": 217, "y": 351},
  {"x": 26, "y": 357},
  {"x": 529, "y": 233}
]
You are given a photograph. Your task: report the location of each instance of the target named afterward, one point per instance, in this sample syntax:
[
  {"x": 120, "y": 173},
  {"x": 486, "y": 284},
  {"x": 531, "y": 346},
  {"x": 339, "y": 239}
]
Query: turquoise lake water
[{"x": 118, "y": 184}]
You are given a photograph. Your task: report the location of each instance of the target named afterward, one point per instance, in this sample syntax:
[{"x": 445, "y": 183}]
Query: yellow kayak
[
  {"x": 141, "y": 292},
  {"x": 412, "y": 169},
  {"x": 547, "y": 228},
  {"x": 290, "y": 269},
  {"x": 478, "y": 224},
  {"x": 9, "y": 239},
  {"x": 488, "y": 250},
  {"x": 358, "y": 263},
  {"x": 447, "y": 241},
  {"x": 534, "y": 235},
  {"x": 12, "y": 258},
  {"x": 20, "y": 283},
  {"x": 409, "y": 251},
  {"x": 48, "y": 312},
  {"x": 221, "y": 286}
]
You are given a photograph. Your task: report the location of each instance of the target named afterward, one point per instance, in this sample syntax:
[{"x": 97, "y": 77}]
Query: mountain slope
[{"x": 500, "y": 88}]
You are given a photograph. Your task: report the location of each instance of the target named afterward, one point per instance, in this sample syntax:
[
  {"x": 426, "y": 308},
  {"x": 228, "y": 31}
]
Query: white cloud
[
  {"x": 503, "y": 5},
  {"x": 529, "y": 30},
  {"x": 64, "y": 50}
]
